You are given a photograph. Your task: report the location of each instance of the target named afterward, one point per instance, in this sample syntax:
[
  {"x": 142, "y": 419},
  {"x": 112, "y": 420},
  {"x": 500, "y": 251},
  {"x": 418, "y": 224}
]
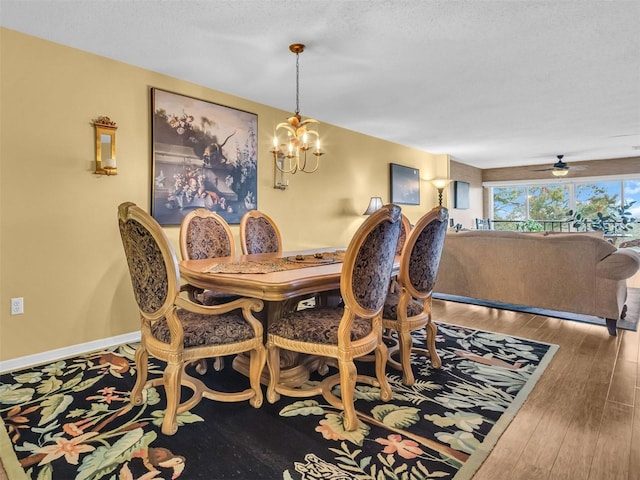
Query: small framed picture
[
  {"x": 405, "y": 185},
  {"x": 460, "y": 195}
]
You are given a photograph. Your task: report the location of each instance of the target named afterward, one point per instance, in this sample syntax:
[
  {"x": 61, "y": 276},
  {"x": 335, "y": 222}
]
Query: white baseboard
[{"x": 66, "y": 352}]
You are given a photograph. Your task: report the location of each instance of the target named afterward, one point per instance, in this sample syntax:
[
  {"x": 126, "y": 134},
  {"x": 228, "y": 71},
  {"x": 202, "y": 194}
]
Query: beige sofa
[{"x": 578, "y": 273}]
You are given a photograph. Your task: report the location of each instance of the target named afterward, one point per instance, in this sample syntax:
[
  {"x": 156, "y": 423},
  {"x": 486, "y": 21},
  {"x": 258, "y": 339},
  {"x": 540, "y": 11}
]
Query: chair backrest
[
  {"x": 259, "y": 233},
  {"x": 152, "y": 262},
  {"x": 405, "y": 228},
  {"x": 483, "y": 224},
  {"x": 422, "y": 252},
  {"x": 368, "y": 262},
  {"x": 205, "y": 234}
]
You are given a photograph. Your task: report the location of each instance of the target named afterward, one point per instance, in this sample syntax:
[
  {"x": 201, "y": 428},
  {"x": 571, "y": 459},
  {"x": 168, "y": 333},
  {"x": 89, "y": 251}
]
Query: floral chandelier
[{"x": 295, "y": 137}]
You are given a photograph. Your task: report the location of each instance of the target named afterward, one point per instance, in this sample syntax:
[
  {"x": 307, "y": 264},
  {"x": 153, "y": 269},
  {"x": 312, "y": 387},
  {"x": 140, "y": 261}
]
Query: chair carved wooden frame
[
  {"x": 259, "y": 233},
  {"x": 344, "y": 333},
  {"x": 408, "y": 306},
  {"x": 178, "y": 331}
]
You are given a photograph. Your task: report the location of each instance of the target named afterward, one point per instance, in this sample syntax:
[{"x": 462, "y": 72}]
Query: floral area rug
[{"x": 72, "y": 419}]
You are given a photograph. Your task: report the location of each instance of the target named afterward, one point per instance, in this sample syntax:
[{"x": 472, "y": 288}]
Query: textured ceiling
[{"x": 493, "y": 83}]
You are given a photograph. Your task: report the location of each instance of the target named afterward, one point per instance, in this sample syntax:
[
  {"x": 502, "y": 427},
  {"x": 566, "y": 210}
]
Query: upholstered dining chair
[
  {"x": 347, "y": 332},
  {"x": 205, "y": 234},
  {"x": 483, "y": 224},
  {"x": 178, "y": 331},
  {"x": 408, "y": 306},
  {"x": 405, "y": 228},
  {"x": 259, "y": 233}
]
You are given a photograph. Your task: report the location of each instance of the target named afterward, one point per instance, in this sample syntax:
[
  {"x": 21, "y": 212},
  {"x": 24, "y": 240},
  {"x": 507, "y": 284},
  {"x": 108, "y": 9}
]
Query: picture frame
[
  {"x": 404, "y": 184},
  {"x": 203, "y": 155},
  {"x": 460, "y": 195}
]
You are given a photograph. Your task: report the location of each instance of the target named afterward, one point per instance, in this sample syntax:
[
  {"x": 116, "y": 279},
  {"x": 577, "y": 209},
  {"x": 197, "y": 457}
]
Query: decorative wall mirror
[{"x": 105, "y": 146}]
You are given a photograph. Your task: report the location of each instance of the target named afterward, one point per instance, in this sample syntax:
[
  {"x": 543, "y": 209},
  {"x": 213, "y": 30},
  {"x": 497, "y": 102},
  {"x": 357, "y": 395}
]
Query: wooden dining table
[
  {"x": 281, "y": 290},
  {"x": 272, "y": 286}
]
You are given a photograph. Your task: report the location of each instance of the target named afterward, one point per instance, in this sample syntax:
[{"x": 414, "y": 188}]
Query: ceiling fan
[{"x": 560, "y": 168}]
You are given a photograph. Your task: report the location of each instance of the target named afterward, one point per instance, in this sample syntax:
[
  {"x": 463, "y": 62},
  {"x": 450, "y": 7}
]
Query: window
[
  {"x": 594, "y": 197},
  {"x": 509, "y": 203},
  {"x": 631, "y": 193},
  {"x": 549, "y": 204}
]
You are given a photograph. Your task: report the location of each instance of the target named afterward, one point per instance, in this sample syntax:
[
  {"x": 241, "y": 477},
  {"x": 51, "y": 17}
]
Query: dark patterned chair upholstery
[
  {"x": 344, "y": 333},
  {"x": 205, "y": 234},
  {"x": 259, "y": 233},
  {"x": 178, "y": 331},
  {"x": 408, "y": 305}
]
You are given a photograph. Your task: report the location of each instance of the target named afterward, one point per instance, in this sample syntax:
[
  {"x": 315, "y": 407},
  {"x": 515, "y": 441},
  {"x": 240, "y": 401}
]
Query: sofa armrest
[{"x": 619, "y": 265}]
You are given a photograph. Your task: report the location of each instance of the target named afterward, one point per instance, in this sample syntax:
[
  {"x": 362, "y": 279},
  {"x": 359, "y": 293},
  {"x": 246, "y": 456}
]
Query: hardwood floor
[{"x": 582, "y": 420}]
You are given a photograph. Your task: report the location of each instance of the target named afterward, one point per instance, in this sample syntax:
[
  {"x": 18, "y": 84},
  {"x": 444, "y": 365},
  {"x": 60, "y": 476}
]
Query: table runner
[{"x": 279, "y": 264}]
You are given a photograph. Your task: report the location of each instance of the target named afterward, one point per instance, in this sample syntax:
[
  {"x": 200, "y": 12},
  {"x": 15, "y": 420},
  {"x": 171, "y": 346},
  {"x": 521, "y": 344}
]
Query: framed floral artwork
[
  {"x": 405, "y": 185},
  {"x": 204, "y": 156}
]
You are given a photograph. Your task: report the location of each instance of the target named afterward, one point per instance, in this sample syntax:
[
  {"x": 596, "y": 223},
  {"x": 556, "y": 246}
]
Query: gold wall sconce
[
  {"x": 279, "y": 181},
  {"x": 105, "y": 131}
]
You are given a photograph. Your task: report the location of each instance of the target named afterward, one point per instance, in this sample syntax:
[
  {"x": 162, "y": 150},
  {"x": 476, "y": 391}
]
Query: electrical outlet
[{"x": 17, "y": 306}]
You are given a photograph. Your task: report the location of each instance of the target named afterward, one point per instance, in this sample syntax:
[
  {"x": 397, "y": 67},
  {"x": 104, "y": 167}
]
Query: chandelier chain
[{"x": 297, "y": 83}]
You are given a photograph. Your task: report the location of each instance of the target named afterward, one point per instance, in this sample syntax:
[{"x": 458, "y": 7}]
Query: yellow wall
[{"x": 59, "y": 244}]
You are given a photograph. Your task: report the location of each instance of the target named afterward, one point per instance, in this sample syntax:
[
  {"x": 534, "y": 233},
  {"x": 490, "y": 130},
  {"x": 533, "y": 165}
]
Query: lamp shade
[
  {"x": 440, "y": 182},
  {"x": 374, "y": 204}
]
